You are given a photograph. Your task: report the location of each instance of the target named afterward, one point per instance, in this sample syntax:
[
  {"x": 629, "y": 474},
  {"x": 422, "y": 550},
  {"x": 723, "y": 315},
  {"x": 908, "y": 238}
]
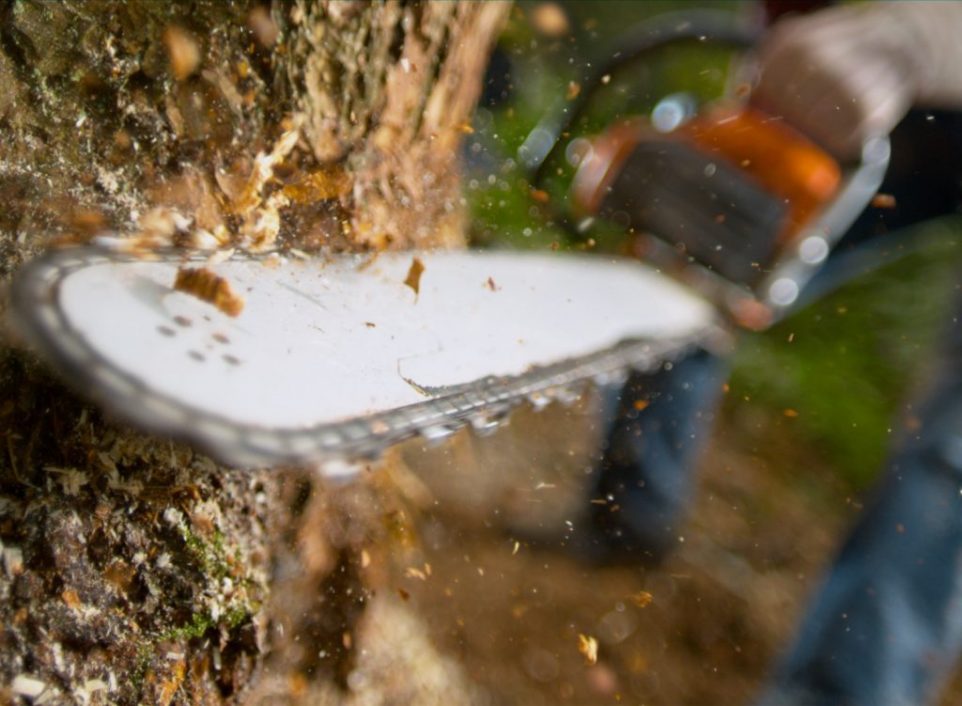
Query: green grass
[{"x": 847, "y": 364}]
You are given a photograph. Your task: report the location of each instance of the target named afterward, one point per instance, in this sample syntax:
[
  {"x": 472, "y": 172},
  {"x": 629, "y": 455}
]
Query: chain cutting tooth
[
  {"x": 437, "y": 433},
  {"x": 490, "y": 420},
  {"x": 611, "y": 378},
  {"x": 372, "y": 453},
  {"x": 569, "y": 394},
  {"x": 538, "y": 400},
  {"x": 340, "y": 469},
  {"x": 645, "y": 361}
]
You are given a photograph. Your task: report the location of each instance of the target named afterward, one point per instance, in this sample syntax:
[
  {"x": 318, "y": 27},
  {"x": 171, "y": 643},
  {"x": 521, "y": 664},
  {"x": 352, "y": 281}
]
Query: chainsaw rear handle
[{"x": 780, "y": 289}]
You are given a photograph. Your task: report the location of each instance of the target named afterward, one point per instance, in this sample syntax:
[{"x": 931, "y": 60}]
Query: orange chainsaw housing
[{"x": 773, "y": 154}]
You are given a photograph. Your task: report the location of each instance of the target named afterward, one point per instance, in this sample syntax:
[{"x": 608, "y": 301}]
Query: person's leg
[
  {"x": 657, "y": 426},
  {"x": 886, "y": 626}
]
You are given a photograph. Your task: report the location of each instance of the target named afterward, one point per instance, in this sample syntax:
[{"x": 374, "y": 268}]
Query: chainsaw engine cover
[
  {"x": 311, "y": 360},
  {"x": 734, "y": 203},
  {"x": 709, "y": 210}
]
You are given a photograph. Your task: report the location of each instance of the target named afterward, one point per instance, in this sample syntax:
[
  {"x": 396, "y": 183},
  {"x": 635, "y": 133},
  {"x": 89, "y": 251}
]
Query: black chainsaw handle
[{"x": 703, "y": 26}]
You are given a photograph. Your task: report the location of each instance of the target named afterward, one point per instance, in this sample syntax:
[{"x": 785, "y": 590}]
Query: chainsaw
[{"x": 264, "y": 361}]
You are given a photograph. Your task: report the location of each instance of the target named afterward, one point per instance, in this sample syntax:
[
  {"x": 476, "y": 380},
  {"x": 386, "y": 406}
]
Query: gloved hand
[{"x": 847, "y": 73}]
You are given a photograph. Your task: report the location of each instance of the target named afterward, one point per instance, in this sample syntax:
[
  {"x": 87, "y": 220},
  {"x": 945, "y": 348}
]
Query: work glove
[{"x": 845, "y": 74}]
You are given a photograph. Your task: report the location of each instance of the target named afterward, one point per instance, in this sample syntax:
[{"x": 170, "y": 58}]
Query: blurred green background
[{"x": 838, "y": 375}]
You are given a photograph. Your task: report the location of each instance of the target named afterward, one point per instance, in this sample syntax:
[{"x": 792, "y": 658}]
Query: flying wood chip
[
  {"x": 883, "y": 201},
  {"x": 588, "y": 646},
  {"x": 209, "y": 287},
  {"x": 413, "y": 280}
]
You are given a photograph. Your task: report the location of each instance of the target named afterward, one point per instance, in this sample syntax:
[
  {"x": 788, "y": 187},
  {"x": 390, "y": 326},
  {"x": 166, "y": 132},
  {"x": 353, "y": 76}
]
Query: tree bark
[{"x": 135, "y": 570}]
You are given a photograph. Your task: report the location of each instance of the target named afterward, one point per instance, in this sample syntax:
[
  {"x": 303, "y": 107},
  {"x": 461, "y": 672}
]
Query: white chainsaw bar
[{"x": 331, "y": 361}]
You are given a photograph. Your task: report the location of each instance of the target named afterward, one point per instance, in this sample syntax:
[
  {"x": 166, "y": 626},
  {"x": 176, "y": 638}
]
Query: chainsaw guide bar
[{"x": 329, "y": 362}]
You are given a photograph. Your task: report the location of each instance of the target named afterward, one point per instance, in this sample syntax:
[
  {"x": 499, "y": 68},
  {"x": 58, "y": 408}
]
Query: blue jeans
[
  {"x": 886, "y": 625},
  {"x": 885, "y": 628},
  {"x": 657, "y": 426}
]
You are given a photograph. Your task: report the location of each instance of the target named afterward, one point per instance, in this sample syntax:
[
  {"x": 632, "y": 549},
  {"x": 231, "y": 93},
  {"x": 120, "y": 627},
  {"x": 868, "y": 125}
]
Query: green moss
[
  {"x": 238, "y": 615},
  {"x": 145, "y": 653},
  {"x": 198, "y": 626},
  {"x": 210, "y": 554},
  {"x": 200, "y": 623}
]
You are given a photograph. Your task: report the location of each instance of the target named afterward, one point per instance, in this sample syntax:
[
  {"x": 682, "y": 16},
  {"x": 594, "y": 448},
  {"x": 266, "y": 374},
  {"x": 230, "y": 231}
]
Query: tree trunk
[{"x": 135, "y": 570}]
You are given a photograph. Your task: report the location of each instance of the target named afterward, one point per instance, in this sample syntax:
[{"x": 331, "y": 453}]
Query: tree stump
[{"x": 135, "y": 570}]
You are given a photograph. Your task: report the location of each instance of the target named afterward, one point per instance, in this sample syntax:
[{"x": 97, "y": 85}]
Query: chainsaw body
[
  {"x": 736, "y": 203},
  {"x": 739, "y": 205},
  {"x": 331, "y": 361}
]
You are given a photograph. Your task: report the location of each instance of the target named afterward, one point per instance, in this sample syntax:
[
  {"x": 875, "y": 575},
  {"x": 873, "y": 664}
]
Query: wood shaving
[
  {"x": 220, "y": 256},
  {"x": 414, "y": 573},
  {"x": 27, "y": 686},
  {"x": 183, "y": 52},
  {"x": 263, "y": 27},
  {"x": 12, "y": 561},
  {"x": 883, "y": 201},
  {"x": 209, "y": 287},
  {"x": 71, "y": 598},
  {"x": 550, "y": 19},
  {"x": 588, "y": 646},
  {"x": 413, "y": 279}
]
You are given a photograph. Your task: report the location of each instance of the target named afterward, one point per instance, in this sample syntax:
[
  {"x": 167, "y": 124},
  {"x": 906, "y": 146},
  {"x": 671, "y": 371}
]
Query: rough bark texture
[{"x": 137, "y": 571}]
